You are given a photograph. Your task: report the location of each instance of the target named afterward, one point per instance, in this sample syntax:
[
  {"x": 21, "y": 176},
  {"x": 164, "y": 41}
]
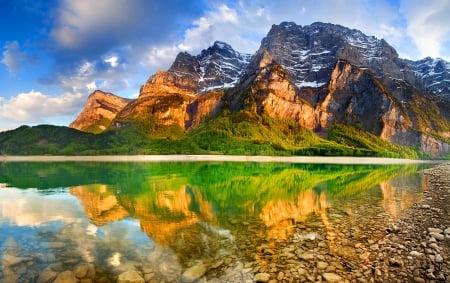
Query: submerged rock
[
  {"x": 66, "y": 277},
  {"x": 130, "y": 276},
  {"x": 193, "y": 273}
]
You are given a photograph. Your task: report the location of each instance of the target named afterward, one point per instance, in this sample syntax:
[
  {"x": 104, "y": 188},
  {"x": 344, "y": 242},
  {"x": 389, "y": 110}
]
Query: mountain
[
  {"x": 309, "y": 53},
  {"x": 217, "y": 67},
  {"x": 435, "y": 74},
  {"x": 324, "y": 74},
  {"x": 188, "y": 92},
  {"x": 314, "y": 89},
  {"x": 100, "y": 109}
]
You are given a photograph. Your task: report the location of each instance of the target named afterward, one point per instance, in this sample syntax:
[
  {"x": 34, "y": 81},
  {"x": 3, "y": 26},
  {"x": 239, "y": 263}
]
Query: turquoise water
[{"x": 163, "y": 218}]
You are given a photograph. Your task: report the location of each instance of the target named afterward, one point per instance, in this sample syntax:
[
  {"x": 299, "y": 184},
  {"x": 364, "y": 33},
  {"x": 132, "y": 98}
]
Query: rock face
[
  {"x": 315, "y": 75},
  {"x": 100, "y": 109},
  {"x": 309, "y": 53}
]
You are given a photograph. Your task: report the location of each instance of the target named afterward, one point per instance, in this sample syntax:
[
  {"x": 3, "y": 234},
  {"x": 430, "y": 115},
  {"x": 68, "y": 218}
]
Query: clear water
[{"x": 162, "y": 218}]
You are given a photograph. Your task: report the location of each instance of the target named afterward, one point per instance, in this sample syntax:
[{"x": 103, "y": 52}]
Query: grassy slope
[{"x": 231, "y": 133}]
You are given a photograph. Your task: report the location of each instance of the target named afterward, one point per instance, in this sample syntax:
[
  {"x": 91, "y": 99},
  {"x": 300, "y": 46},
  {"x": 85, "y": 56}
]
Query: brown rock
[{"x": 100, "y": 109}]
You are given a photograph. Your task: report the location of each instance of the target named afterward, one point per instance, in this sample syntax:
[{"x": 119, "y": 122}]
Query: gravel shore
[{"x": 417, "y": 246}]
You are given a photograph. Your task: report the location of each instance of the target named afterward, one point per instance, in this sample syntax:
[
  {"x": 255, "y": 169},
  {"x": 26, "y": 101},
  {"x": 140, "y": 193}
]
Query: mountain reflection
[
  {"x": 177, "y": 201},
  {"x": 100, "y": 205}
]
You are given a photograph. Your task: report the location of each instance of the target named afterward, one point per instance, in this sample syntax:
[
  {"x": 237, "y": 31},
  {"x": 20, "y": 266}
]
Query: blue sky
[{"x": 56, "y": 52}]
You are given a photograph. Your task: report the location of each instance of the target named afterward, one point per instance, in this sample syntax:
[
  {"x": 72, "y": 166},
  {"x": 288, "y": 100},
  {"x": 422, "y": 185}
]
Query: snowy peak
[
  {"x": 216, "y": 67},
  {"x": 309, "y": 53},
  {"x": 435, "y": 74}
]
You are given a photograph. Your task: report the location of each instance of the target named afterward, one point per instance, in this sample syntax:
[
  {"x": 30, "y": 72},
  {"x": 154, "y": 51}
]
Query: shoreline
[
  {"x": 416, "y": 248},
  {"x": 217, "y": 158}
]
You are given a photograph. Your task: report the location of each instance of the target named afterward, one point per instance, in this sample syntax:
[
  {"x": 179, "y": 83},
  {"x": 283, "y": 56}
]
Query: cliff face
[
  {"x": 168, "y": 100},
  {"x": 100, "y": 109}
]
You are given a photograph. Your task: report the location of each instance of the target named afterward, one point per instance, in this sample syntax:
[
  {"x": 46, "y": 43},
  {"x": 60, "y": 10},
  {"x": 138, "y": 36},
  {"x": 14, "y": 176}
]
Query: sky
[{"x": 56, "y": 52}]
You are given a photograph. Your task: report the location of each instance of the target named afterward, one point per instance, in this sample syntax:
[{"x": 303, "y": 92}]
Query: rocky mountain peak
[
  {"x": 435, "y": 73},
  {"x": 309, "y": 53},
  {"x": 184, "y": 64},
  {"x": 222, "y": 48},
  {"x": 100, "y": 109},
  {"x": 217, "y": 67}
]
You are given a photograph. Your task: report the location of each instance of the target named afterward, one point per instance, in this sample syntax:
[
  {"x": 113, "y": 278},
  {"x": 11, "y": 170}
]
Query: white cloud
[
  {"x": 230, "y": 24},
  {"x": 160, "y": 57},
  {"x": 94, "y": 27},
  {"x": 113, "y": 61},
  {"x": 91, "y": 86},
  {"x": 34, "y": 106},
  {"x": 14, "y": 58},
  {"x": 428, "y": 25}
]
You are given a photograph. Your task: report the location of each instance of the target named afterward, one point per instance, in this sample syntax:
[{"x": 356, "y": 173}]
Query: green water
[{"x": 165, "y": 217}]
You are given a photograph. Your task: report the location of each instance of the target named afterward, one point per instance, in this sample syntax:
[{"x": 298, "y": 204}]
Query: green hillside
[{"x": 240, "y": 132}]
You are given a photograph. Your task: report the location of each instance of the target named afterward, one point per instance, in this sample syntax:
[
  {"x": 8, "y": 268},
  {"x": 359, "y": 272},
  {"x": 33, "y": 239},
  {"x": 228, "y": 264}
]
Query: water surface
[{"x": 163, "y": 218}]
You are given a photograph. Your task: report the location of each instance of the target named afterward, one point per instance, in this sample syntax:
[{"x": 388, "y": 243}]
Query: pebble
[
  {"x": 435, "y": 230},
  {"x": 331, "y": 277},
  {"x": 130, "y": 276},
  {"x": 437, "y": 236},
  {"x": 193, "y": 273},
  {"x": 416, "y": 254},
  {"x": 66, "y": 277},
  {"x": 262, "y": 277}
]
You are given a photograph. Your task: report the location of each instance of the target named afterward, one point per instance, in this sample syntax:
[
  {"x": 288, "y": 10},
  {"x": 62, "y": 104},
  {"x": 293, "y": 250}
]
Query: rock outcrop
[{"x": 100, "y": 109}]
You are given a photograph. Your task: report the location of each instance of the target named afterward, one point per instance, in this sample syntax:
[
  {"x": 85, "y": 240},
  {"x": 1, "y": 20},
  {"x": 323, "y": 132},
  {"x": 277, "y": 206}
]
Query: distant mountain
[
  {"x": 217, "y": 67},
  {"x": 435, "y": 74},
  {"x": 314, "y": 89}
]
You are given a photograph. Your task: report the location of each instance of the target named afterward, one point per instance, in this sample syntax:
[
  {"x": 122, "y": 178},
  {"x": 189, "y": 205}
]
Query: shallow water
[{"x": 163, "y": 218}]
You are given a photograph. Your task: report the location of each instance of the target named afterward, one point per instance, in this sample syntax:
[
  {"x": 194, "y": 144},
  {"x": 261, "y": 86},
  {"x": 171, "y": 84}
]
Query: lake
[{"x": 188, "y": 221}]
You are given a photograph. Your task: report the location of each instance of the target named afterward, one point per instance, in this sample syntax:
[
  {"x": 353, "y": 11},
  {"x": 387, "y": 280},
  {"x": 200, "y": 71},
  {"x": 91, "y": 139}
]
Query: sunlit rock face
[
  {"x": 99, "y": 204},
  {"x": 100, "y": 109}
]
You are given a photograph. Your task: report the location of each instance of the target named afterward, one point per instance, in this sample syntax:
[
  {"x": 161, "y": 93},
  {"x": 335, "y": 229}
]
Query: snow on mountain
[
  {"x": 217, "y": 67},
  {"x": 309, "y": 53},
  {"x": 435, "y": 73}
]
